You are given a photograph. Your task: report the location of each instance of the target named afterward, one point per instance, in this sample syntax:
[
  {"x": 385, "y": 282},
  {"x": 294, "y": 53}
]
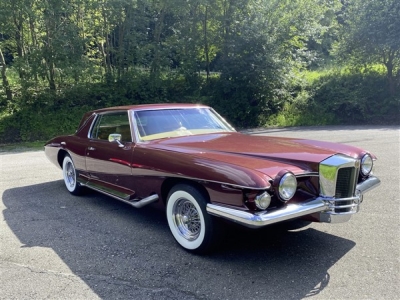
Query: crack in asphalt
[{"x": 156, "y": 292}]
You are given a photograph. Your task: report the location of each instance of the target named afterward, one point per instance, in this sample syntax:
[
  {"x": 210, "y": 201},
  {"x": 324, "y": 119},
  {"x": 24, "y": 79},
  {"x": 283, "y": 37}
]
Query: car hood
[{"x": 266, "y": 154}]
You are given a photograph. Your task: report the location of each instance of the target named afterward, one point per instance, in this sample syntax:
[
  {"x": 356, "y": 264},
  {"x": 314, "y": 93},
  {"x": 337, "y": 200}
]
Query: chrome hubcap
[
  {"x": 186, "y": 219},
  {"x": 70, "y": 174}
]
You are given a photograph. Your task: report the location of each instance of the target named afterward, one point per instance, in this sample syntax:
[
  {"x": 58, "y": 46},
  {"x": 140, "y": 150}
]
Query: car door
[{"x": 108, "y": 163}]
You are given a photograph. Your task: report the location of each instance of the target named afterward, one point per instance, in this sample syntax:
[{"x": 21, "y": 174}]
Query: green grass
[{"x": 22, "y": 147}]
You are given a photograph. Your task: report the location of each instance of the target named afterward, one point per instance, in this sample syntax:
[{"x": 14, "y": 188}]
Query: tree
[
  {"x": 264, "y": 44},
  {"x": 372, "y": 35},
  {"x": 6, "y": 84}
]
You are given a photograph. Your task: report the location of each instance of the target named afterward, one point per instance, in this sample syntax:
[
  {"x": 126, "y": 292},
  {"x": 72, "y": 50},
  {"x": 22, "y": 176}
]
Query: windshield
[{"x": 165, "y": 123}]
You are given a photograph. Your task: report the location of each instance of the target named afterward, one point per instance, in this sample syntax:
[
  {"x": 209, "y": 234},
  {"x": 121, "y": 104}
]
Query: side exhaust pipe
[
  {"x": 142, "y": 202},
  {"x": 137, "y": 203}
]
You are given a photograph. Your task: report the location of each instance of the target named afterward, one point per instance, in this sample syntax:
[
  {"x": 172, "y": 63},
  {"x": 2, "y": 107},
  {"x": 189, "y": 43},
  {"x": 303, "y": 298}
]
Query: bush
[
  {"x": 320, "y": 98},
  {"x": 356, "y": 98},
  {"x": 341, "y": 97},
  {"x": 45, "y": 115}
]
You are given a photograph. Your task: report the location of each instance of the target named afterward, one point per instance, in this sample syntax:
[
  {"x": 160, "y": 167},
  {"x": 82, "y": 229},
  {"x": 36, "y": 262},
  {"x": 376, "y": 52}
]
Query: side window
[{"x": 108, "y": 123}]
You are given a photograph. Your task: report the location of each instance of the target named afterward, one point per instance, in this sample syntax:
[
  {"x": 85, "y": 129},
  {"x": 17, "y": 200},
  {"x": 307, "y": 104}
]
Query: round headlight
[
  {"x": 263, "y": 200},
  {"x": 366, "y": 164},
  {"x": 287, "y": 186}
]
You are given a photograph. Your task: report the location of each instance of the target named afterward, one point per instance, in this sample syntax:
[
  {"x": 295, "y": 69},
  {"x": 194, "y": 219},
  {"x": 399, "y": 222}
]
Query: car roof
[{"x": 151, "y": 107}]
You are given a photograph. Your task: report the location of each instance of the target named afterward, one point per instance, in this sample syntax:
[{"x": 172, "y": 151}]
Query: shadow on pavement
[{"x": 121, "y": 251}]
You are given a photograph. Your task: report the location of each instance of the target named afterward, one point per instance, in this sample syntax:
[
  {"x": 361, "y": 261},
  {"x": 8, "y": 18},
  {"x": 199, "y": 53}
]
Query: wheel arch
[
  {"x": 60, "y": 156},
  {"x": 169, "y": 183}
]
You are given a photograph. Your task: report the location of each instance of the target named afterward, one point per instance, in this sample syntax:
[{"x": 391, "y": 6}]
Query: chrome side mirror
[{"x": 115, "y": 137}]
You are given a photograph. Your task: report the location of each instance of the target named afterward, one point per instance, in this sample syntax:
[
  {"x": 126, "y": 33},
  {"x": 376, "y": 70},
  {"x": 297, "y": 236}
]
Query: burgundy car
[{"x": 188, "y": 160}]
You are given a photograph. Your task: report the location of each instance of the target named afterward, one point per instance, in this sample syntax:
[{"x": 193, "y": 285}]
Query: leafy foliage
[
  {"x": 371, "y": 35},
  {"x": 341, "y": 96},
  {"x": 246, "y": 58}
]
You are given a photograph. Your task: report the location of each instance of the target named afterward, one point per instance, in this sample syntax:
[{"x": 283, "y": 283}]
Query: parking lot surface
[{"x": 57, "y": 246}]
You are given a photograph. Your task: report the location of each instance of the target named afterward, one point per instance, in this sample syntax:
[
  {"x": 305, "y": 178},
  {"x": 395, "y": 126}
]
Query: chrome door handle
[{"x": 91, "y": 148}]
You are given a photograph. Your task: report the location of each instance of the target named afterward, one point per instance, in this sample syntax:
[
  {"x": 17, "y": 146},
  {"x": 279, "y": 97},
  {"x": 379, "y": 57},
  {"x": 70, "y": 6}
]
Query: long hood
[{"x": 266, "y": 154}]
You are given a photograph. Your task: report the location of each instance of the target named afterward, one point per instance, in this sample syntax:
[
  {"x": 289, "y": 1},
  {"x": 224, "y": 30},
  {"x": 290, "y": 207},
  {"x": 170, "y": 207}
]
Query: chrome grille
[
  {"x": 338, "y": 177},
  {"x": 344, "y": 183},
  {"x": 344, "y": 189}
]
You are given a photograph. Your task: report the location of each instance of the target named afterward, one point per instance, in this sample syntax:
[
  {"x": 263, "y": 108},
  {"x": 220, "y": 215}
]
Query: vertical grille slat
[
  {"x": 344, "y": 188},
  {"x": 344, "y": 183}
]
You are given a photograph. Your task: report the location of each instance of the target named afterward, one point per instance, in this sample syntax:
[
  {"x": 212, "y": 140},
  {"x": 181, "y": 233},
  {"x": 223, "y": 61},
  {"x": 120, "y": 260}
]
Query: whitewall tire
[
  {"x": 188, "y": 220},
  {"x": 69, "y": 174}
]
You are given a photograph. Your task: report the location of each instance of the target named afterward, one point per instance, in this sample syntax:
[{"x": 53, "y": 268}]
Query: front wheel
[
  {"x": 188, "y": 220},
  {"x": 69, "y": 174}
]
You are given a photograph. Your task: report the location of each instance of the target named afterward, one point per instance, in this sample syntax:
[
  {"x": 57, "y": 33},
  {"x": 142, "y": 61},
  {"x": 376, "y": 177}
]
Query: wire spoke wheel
[
  {"x": 190, "y": 224},
  {"x": 70, "y": 174},
  {"x": 187, "y": 219}
]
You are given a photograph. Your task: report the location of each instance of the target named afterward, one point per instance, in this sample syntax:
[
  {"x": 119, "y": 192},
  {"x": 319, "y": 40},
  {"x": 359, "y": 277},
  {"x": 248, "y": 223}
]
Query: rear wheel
[
  {"x": 69, "y": 174},
  {"x": 190, "y": 224}
]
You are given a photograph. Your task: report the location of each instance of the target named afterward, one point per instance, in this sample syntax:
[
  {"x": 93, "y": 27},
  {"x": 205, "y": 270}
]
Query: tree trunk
[
  {"x": 34, "y": 40},
  {"x": 121, "y": 52},
  {"x": 52, "y": 82},
  {"x": 226, "y": 26},
  {"x": 103, "y": 55},
  {"x": 18, "y": 22},
  {"x": 19, "y": 35},
  {"x": 206, "y": 44},
  {"x": 389, "y": 63},
  {"x": 155, "y": 65},
  {"x": 106, "y": 46},
  {"x": 49, "y": 61},
  {"x": 4, "y": 77}
]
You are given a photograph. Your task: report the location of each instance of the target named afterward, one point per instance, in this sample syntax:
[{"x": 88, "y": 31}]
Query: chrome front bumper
[{"x": 325, "y": 209}]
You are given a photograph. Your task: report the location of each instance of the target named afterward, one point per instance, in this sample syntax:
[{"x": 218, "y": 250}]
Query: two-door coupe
[{"x": 188, "y": 160}]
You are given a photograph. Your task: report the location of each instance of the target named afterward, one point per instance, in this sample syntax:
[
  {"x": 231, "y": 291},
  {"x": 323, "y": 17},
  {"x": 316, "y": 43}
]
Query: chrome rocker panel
[{"x": 323, "y": 209}]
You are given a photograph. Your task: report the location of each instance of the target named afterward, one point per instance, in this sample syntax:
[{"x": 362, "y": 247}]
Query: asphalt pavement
[{"x": 57, "y": 246}]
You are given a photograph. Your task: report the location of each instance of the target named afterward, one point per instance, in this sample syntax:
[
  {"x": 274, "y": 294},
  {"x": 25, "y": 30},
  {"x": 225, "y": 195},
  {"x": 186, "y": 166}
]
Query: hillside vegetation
[{"x": 257, "y": 62}]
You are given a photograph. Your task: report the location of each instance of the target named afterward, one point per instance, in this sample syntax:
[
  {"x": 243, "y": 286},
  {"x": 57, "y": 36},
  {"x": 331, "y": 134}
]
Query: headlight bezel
[
  {"x": 366, "y": 165},
  {"x": 286, "y": 185},
  {"x": 263, "y": 200}
]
